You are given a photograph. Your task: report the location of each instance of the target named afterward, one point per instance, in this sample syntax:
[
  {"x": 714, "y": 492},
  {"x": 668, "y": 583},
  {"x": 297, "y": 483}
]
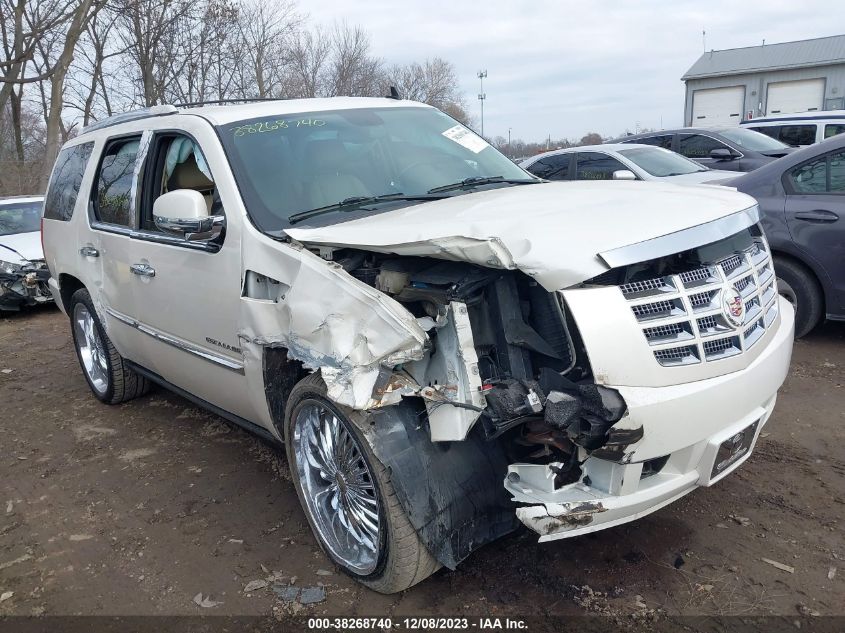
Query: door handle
[
  {"x": 89, "y": 251},
  {"x": 817, "y": 215},
  {"x": 143, "y": 270}
]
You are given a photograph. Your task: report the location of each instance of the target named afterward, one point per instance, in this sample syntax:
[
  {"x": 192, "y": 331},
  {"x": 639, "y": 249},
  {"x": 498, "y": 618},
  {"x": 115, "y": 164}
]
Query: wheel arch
[
  {"x": 68, "y": 284},
  {"x": 808, "y": 268}
]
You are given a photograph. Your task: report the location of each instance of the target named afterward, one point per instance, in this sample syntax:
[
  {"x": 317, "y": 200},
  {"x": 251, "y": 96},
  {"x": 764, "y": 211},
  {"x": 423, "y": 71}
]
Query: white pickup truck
[{"x": 445, "y": 344}]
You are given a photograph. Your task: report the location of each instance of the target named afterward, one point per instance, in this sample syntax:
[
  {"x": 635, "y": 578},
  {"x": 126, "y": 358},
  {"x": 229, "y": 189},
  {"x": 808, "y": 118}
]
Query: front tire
[
  {"x": 104, "y": 368},
  {"x": 347, "y": 494},
  {"x": 798, "y": 286}
]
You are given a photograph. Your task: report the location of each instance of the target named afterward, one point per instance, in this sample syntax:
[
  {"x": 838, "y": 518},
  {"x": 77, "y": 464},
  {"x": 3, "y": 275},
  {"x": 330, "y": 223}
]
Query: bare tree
[
  {"x": 434, "y": 82},
  {"x": 268, "y": 31},
  {"x": 352, "y": 70}
]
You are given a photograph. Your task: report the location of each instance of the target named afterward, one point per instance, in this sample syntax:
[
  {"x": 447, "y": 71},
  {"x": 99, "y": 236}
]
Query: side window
[
  {"x": 552, "y": 168},
  {"x": 810, "y": 177},
  {"x": 114, "y": 182},
  {"x": 66, "y": 181},
  {"x": 796, "y": 135},
  {"x": 769, "y": 130},
  {"x": 832, "y": 129},
  {"x": 597, "y": 166},
  {"x": 664, "y": 141},
  {"x": 698, "y": 146},
  {"x": 178, "y": 163}
]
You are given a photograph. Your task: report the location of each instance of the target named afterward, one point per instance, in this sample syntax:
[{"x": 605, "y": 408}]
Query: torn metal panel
[
  {"x": 327, "y": 320},
  {"x": 556, "y": 235},
  {"x": 453, "y": 378}
]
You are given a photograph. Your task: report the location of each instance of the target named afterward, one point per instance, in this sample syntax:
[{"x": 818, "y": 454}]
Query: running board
[{"x": 245, "y": 424}]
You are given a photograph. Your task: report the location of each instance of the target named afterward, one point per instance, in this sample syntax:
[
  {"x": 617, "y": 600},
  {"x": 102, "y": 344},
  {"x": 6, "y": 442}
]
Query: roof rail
[
  {"x": 133, "y": 115},
  {"x": 197, "y": 104}
]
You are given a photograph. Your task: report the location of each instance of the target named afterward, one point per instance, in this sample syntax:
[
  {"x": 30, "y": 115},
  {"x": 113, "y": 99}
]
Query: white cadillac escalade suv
[{"x": 446, "y": 345}]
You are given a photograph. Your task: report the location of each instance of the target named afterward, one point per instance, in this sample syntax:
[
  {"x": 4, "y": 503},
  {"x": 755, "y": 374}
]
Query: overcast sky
[{"x": 568, "y": 68}]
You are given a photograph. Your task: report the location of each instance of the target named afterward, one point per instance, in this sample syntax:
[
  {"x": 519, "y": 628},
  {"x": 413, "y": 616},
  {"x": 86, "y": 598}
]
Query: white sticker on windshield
[{"x": 465, "y": 137}]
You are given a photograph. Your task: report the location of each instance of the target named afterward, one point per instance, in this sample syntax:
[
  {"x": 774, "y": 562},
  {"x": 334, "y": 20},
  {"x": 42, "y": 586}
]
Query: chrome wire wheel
[
  {"x": 92, "y": 354},
  {"x": 338, "y": 487}
]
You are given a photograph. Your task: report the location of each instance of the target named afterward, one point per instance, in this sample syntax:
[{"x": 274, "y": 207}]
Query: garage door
[
  {"x": 785, "y": 97},
  {"x": 718, "y": 106}
]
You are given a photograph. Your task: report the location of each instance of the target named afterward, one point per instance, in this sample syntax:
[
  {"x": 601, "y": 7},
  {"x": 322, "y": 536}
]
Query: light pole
[
  {"x": 509, "y": 143},
  {"x": 481, "y": 97}
]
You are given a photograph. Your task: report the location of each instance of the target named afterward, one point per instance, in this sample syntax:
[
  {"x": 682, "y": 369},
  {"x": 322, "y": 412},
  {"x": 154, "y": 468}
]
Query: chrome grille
[{"x": 682, "y": 314}]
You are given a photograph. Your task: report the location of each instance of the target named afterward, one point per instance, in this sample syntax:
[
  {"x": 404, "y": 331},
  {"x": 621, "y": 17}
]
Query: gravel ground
[{"x": 152, "y": 506}]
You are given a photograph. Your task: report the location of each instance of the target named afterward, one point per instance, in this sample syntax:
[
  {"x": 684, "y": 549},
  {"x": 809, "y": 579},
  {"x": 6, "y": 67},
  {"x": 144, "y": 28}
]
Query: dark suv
[{"x": 733, "y": 149}]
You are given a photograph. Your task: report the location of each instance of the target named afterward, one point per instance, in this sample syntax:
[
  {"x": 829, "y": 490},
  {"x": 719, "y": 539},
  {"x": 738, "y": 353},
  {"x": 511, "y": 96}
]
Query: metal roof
[{"x": 734, "y": 61}]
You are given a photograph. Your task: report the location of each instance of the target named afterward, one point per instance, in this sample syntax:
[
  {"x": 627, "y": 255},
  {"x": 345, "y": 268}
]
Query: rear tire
[
  {"x": 797, "y": 285},
  {"x": 105, "y": 370},
  {"x": 398, "y": 559}
]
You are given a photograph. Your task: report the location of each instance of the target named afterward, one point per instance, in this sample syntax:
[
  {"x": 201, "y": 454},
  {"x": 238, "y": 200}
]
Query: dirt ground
[{"x": 137, "y": 509}]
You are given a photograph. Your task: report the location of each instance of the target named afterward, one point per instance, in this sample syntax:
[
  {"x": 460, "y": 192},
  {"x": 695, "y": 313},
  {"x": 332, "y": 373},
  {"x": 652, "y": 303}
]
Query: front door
[{"x": 186, "y": 294}]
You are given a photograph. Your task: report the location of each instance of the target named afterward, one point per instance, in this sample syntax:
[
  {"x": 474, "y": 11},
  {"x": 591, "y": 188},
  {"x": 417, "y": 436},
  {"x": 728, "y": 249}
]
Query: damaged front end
[
  {"x": 502, "y": 366},
  {"x": 23, "y": 284}
]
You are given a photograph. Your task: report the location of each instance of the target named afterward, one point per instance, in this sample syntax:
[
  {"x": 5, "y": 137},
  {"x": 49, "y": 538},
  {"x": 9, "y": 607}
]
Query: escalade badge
[{"x": 732, "y": 306}]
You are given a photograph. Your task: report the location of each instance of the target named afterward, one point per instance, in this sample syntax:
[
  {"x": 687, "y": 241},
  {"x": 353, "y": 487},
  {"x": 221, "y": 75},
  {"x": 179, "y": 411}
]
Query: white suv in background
[
  {"x": 799, "y": 129},
  {"x": 445, "y": 344}
]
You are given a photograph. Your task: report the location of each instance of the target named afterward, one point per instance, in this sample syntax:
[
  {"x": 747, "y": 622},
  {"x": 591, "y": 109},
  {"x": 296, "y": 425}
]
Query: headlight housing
[{"x": 9, "y": 268}]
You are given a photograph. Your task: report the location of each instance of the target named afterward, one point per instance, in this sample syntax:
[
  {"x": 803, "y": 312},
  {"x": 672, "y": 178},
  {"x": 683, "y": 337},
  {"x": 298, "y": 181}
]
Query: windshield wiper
[
  {"x": 356, "y": 202},
  {"x": 476, "y": 181}
]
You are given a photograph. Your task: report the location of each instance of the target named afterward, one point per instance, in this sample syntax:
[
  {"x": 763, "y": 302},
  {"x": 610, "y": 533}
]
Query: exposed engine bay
[
  {"x": 528, "y": 379},
  {"x": 22, "y": 285}
]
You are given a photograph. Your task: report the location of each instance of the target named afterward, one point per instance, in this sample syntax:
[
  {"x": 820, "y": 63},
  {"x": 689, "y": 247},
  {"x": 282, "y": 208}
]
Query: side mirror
[
  {"x": 624, "y": 174},
  {"x": 184, "y": 214},
  {"x": 722, "y": 153}
]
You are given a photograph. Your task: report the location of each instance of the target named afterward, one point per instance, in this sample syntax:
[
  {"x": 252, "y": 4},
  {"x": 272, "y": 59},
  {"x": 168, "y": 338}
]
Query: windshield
[
  {"x": 661, "y": 162},
  {"x": 749, "y": 139},
  {"x": 289, "y": 164},
  {"x": 20, "y": 217}
]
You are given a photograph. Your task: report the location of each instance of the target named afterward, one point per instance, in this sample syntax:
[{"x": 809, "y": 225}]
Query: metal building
[{"x": 725, "y": 87}]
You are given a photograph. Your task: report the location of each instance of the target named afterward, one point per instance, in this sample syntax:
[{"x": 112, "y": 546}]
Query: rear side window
[
  {"x": 772, "y": 131},
  {"x": 552, "y": 168},
  {"x": 832, "y": 129},
  {"x": 822, "y": 175},
  {"x": 113, "y": 193},
  {"x": 597, "y": 166},
  {"x": 796, "y": 135},
  {"x": 698, "y": 146},
  {"x": 66, "y": 181},
  {"x": 664, "y": 141}
]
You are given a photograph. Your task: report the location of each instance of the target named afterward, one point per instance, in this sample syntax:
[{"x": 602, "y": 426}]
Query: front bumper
[{"x": 683, "y": 428}]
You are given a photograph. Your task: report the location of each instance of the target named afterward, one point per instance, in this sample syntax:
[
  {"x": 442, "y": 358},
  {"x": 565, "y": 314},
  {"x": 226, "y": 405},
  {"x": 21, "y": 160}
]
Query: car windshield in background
[
  {"x": 749, "y": 139},
  {"x": 661, "y": 162},
  {"x": 20, "y": 217},
  {"x": 347, "y": 163}
]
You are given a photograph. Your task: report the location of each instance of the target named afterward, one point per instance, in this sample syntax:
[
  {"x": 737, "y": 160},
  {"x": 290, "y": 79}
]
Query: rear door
[
  {"x": 105, "y": 250},
  {"x": 815, "y": 214},
  {"x": 187, "y": 294}
]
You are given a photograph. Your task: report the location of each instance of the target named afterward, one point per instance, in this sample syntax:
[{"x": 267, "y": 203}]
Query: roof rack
[
  {"x": 197, "y": 104},
  {"x": 134, "y": 115}
]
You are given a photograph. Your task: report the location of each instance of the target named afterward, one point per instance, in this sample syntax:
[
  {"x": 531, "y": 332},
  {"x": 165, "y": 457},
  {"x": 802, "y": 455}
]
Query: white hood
[
  {"x": 554, "y": 232},
  {"x": 27, "y": 244}
]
